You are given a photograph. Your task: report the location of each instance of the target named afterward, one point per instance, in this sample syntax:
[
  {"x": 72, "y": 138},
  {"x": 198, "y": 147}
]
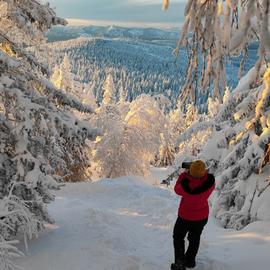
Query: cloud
[{"x": 142, "y": 11}]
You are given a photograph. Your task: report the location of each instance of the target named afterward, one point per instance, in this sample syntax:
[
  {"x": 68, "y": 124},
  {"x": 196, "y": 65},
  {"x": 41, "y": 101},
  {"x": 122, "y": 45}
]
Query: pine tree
[
  {"x": 88, "y": 96},
  {"x": 191, "y": 115},
  {"x": 227, "y": 95},
  {"x": 213, "y": 106},
  {"x": 122, "y": 90},
  {"x": 177, "y": 119},
  {"x": 109, "y": 91},
  {"x": 166, "y": 153},
  {"x": 62, "y": 76}
]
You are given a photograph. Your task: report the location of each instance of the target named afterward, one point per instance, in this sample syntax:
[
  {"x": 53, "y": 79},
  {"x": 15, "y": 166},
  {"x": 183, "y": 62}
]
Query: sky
[{"x": 121, "y": 11}]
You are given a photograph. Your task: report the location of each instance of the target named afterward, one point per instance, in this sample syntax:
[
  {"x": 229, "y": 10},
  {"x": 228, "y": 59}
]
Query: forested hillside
[{"x": 140, "y": 60}]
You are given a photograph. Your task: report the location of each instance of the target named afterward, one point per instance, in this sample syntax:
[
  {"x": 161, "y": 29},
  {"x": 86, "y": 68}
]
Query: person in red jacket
[{"x": 194, "y": 186}]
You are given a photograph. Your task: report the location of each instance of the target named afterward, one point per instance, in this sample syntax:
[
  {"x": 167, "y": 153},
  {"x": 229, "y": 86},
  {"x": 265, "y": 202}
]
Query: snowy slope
[{"x": 126, "y": 224}]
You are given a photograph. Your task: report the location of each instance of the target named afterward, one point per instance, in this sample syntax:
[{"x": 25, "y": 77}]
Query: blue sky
[{"x": 140, "y": 11}]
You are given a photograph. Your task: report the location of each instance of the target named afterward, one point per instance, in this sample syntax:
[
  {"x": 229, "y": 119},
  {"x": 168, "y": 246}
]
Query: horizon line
[{"x": 87, "y": 22}]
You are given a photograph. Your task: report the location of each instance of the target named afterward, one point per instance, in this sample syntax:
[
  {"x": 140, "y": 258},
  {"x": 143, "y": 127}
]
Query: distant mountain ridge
[{"x": 147, "y": 34}]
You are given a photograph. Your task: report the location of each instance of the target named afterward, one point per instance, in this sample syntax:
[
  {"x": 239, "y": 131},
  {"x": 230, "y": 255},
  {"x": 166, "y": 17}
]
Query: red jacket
[{"x": 195, "y": 193}]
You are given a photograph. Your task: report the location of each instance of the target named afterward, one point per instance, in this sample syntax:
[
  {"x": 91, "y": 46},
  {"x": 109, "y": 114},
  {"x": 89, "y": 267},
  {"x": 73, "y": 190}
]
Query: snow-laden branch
[
  {"x": 26, "y": 21},
  {"x": 216, "y": 30},
  {"x": 194, "y": 128}
]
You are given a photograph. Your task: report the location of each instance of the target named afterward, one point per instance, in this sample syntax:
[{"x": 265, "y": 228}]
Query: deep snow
[{"x": 126, "y": 224}]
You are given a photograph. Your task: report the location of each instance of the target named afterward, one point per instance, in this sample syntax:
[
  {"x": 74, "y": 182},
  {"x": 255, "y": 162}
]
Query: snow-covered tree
[
  {"x": 56, "y": 77},
  {"x": 123, "y": 104},
  {"x": 109, "y": 90},
  {"x": 191, "y": 115},
  {"x": 227, "y": 95},
  {"x": 121, "y": 149},
  {"x": 146, "y": 115},
  {"x": 130, "y": 139},
  {"x": 41, "y": 141},
  {"x": 88, "y": 96},
  {"x": 122, "y": 90},
  {"x": 213, "y": 106},
  {"x": 166, "y": 153},
  {"x": 163, "y": 102},
  {"x": 26, "y": 21},
  {"x": 177, "y": 121},
  {"x": 63, "y": 78}
]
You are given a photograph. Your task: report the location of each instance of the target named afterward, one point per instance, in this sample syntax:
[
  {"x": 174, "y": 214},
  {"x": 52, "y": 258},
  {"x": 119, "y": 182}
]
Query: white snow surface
[{"x": 126, "y": 224}]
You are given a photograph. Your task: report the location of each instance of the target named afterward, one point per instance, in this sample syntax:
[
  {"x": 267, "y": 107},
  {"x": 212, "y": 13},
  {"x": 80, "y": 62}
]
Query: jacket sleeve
[
  {"x": 178, "y": 187},
  {"x": 203, "y": 192}
]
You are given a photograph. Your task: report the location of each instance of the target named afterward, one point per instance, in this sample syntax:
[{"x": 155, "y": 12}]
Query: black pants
[{"x": 194, "y": 230}]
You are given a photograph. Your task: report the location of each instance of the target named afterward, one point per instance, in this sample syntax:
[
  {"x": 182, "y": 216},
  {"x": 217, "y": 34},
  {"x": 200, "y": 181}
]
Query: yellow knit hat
[{"x": 197, "y": 169}]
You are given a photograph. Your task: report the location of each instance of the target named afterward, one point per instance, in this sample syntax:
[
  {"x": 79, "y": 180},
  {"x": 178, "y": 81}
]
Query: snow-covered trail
[{"x": 125, "y": 224}]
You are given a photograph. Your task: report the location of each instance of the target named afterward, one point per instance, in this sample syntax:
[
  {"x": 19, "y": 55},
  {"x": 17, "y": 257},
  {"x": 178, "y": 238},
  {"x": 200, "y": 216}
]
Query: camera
[{"x": 186, "y": 165}]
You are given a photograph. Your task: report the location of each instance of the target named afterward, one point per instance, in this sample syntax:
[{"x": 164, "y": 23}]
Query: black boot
[
  {"x": 179, "y": 265},
  {"x": 190, "y": 263}
]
